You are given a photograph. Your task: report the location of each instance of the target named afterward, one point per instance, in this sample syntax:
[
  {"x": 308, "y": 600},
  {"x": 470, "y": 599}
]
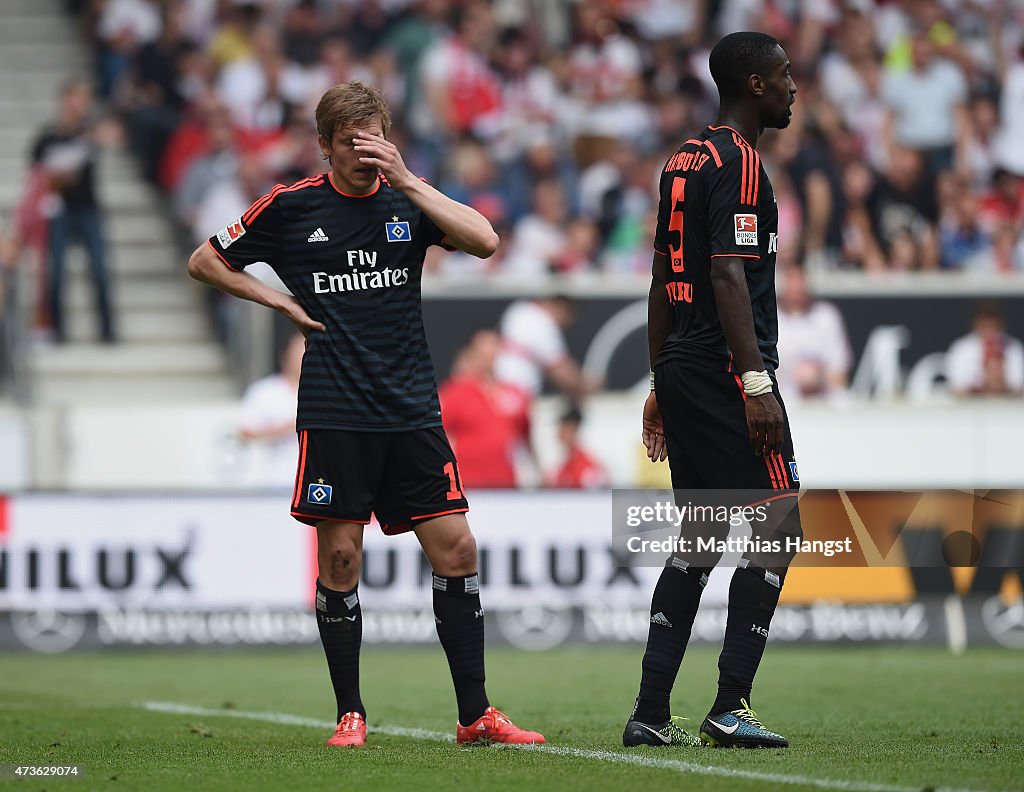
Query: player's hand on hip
[
  {"x": 654, "y": 431},
  {"x": 377, "y": 150},
  {"x": 765, "y": 424},
  {"x": 302, "y": 320}
]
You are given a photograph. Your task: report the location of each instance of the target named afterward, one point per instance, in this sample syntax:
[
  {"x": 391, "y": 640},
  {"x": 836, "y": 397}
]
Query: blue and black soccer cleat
[
  {"x": 671, "y": 732},
  {"x": 739, "y": 729}
]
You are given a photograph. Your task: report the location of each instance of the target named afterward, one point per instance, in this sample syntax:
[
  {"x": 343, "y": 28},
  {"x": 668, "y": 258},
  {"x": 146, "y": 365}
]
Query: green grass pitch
[{"x": 880, "y": 719}]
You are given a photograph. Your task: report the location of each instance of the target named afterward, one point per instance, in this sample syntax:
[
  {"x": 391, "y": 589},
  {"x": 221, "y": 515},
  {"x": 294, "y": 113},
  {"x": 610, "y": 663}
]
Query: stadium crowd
[{"x": 554, "y": 117}]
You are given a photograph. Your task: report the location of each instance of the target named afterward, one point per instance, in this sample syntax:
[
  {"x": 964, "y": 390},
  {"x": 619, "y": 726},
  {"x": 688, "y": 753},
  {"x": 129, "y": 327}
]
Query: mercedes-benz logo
[
  {"x": 48, "y": 631},
  {"x": 535, "y": 628},
  {"x": 1005, "y": 623}
]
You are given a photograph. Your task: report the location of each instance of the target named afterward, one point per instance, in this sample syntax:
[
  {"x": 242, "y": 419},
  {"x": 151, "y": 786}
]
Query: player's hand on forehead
[{"x": 377, "y": 150}]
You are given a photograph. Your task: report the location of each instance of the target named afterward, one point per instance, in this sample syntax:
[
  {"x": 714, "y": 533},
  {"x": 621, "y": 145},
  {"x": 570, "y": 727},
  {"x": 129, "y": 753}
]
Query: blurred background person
[
  {"x": 579, "y": 469},
  {"x": 927, "y": 103},
  {"x": 66, "y": 152},
  {"x": 813, "y": 346},
  {"x": 986, "y": 361},
  {"x": 487, "y": 421},
  {"x": 266, "y": 417},
  {"x": 533, "y": 348}
]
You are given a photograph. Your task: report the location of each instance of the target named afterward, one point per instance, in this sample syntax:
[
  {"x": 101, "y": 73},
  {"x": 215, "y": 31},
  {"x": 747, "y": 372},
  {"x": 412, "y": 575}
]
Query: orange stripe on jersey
[
  {"x": 322, "y": 518},
  {"x": 266, "y": 200},
  {"x": 745, "y": 169},
  {"x": 460, "y": 510},
  {"x": 214, "y": 249},
  {"x": 259, "y": 204},
  {"x": 739, "y": 381},
  {"x": 745, "y": 178},
  {"x": 757, "y": 176},
  {"x": 751, "y": 171},
  {"x": 714, "y": 152},
  {"x": 772, "y": 473},
  {"x": 301, "y": 468},
  {"x": 782, "y": 469}
]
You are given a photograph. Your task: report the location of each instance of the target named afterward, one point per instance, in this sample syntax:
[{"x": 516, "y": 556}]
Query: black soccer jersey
[
  {"x": 354, "y": 263},
  {"x": 716, "y": 200}
]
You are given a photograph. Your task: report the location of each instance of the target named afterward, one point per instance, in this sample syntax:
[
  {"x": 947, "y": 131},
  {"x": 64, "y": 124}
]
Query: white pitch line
[
  {"x": 290, "y": 720},
  {"x": 639, "y": 760}
]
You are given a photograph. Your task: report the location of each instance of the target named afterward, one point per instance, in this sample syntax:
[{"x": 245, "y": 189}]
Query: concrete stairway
[{"x": 167, "y": 351}]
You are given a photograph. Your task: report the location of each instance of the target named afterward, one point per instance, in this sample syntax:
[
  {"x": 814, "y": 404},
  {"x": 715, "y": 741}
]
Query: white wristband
[
  {"x": 756, "y": 383},
  {"x": 652, "y": 380}
]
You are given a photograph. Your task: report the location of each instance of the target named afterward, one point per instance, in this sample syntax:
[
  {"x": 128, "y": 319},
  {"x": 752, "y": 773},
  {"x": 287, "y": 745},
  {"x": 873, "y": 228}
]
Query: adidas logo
[
  {"x": 659, "y": 618},
  {"x": 318, "y": 236}
]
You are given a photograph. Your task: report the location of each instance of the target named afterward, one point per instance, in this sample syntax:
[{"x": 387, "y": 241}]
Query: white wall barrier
[
  {"x": 173, "y": 570},
  {"x": 970, "y": 445}
]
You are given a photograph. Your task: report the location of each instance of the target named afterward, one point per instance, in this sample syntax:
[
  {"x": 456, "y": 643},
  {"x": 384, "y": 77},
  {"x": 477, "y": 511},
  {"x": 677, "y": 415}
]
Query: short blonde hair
[{"x": 351, "y": 104}]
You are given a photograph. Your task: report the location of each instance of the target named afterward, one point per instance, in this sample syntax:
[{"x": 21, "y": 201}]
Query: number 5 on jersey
[{"x": 675, "y": 224}]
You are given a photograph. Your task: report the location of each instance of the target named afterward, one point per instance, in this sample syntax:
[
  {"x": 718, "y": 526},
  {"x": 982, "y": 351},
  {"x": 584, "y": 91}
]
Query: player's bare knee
[
  {"x": 340, "y": 565},
  {"x": 460, "y": 558}
]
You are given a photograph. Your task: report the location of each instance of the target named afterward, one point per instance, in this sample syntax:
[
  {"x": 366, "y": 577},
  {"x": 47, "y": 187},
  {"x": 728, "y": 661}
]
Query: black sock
[
  {"x": 340, "y": 620},
  {"x": 753, "y": 595},
  {"x": 460, "y": 626},
  {"x": 673, "y": 608}
]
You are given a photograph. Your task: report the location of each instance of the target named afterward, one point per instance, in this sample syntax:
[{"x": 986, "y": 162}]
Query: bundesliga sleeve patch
[
  {"x": 231, "y": 234},
  {"x": 746, "y": 229}
]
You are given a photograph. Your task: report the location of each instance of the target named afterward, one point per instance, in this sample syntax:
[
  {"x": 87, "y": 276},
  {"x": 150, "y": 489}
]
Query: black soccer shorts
[
  {"x": 402, "y": 477},
  {"x": 706, "y": 432}
]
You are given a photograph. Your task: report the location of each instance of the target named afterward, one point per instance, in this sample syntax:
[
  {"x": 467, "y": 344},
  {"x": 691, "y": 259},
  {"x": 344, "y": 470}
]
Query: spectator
[
  {"x": 258, "y": 89},
  {"x": 459, "y": 88},
  {"x": 123, "y": 27},
  {"x": 977, "y": 161},
  {"x": 579, "y": 469},
  {"x": 411, "y": 36},
  {"x": 1009, "y": 152},
  {"x": 813, "y": 347},
  {"x": 1001, "y": 214},
  {"x": 927, "y": 104},
  {"x": 860, "y": 244},
  {"x": 605, "y": 71},
  {"x": 227, "y": 199},
  {"x": 336, "y": 65},
  {"x": 487, "y": 421},
  {"x": 155, "y": 99},
  {"x": 530, "y": 100},
  {"x": 539, "y": 239},
  {"x": 595, "y": 95},
  {"x": 986, "y": 361},
  {"x": 267, "y": 416},
  {"x": 302, "y": 33},
  {"x": 580, "y": 250},
  {"x": 904, "y": 212},
  {"x": 218, "y": 164},
  {"x": 812, "y": 228},
  {"x": 964, "y": 242},
  {"x": 533, "y": 347},
  {"x": 66, "y": 153},
  {"x": 232, "y": 32}
]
